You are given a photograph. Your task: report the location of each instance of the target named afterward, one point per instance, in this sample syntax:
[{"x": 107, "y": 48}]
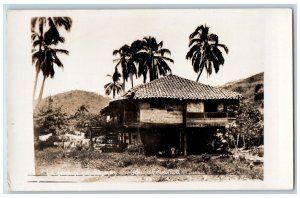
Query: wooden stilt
[
  {"x": 130, "y": 138},
  {"x": 185, "y": 143},
  {"x": 139, "y": 136},
  {"x": 180, "y": 141}
]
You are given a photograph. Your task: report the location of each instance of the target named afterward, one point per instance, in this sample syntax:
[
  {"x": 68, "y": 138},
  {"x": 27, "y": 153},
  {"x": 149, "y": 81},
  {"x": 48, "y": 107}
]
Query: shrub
[
  {"x": 242, "y": 159},
  {"x": 217, "y": 168},
  {"x": 197, "y": 159},
  {"x": 151, "y": 160}
]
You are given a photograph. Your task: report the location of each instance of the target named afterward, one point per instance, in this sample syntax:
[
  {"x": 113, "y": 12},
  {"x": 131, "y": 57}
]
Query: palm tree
[
  {"x": 44, "y": 41},
  {"x": 204, "y": 51},
  {"x": 113, "y": 86},
  {"x": 124, "y": 53},
  {"x": 37, "y": 39},
  {"x": 151, "y": 59},
  {"x": 52, "y": 36},
  {"x": 128, "y": 60},
  {"x": 133, "y": 59},
  {"x": 48, "y": 58}
]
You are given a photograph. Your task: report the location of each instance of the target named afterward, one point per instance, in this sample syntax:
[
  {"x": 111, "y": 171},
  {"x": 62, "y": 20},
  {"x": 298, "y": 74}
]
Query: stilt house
[{"x": 172, "y": 112}]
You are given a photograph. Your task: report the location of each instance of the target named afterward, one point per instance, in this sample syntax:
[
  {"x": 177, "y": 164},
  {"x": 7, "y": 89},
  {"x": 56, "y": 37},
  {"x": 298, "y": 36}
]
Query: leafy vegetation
[
  {"x": 50, "y": 119},
  {"x": 129, "y": 164},
  {"x": 247, "y": 128}
]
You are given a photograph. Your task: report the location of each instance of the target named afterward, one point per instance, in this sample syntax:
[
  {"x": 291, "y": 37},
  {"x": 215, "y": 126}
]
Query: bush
[
  {"x": 217, "y": 168},
  {"x": 197, "y": 159},
  {"x": 138, "y": 148},
  {"x": 242, "y": 159}
]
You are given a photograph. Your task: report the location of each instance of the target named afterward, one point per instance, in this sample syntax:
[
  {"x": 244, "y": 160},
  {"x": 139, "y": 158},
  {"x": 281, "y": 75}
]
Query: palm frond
[
  {"x": 194, "y": 40},
  {"x": 160, "y": 44},
  {"x": 214, "y": 38},
  {"x": 193, "y": 49},
  {"x": 224, "y": 47},
  {"x": 36, "y": 43},
  {"x": 165, "y": 58},
  {"x": 115, "y": 52},
  {"x": 217, "y": 55},
  {"x": 33, "y": 22},
  {"x": 164, "y": 51},
  {"x": 196, "y": 32},
  {"x": 61, "y": 51},
  {"x": 66, "y": 22}
]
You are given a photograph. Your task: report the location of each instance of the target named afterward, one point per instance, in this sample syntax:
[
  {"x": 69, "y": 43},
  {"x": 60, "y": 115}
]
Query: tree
[
  {"x": 151, "y": 59},
  {"x": 48, "y": 58},
  {"x": 123, "y": 61},
  {"x": 113, "y": 86},
  {"x": 204, "y": 51},
  {"x": 128, "y": 60},
  {"x": 45, "y": 56},
  {"x": 37, "y": 39},
  {"x": 49, "y": 119},
  {"x": 248, "y": 126}
]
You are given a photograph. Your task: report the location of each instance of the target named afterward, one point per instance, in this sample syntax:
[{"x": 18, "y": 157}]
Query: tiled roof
[{"x": 175, "y": 87}]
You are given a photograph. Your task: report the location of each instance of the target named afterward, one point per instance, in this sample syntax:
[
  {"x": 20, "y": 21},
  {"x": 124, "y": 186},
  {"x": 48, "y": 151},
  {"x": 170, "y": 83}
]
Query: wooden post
[
  {"x": 124, "y": 114},
  {"x": 139, "y": 140},
  {"x": 184, "y": 112},
  {"x": 180, "y": 140},
  {"x": 129, "y": 134},
  {"x": 185, "y": 143}
]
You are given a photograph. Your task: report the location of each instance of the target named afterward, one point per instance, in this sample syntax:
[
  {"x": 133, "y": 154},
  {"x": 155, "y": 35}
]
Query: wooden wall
[
  {"x": 195, "y": 107},
  {"x": 171, "y": 114}
]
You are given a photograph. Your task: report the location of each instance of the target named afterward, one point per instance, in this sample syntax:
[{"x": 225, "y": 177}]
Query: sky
[{"x": 249, "y": 34}]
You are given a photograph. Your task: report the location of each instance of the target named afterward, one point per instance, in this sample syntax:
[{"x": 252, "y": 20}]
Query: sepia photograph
[{"x": 147, "y": 96}]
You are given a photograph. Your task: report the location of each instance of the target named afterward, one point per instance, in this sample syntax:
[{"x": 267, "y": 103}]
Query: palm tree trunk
[
  {"x": 42, "y": 89},
  {"x": 131, "y": 78},
  {"x": 34, "y": 88},
  {"x": 123, "y": 85},
  {"x": 199, "y": 75},
  {"x": 114, "y": 90}
]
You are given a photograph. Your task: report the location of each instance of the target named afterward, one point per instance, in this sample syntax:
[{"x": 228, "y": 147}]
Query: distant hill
[
  {"x": 252, "y": 88},
  {"x": 71, "y": 101}
]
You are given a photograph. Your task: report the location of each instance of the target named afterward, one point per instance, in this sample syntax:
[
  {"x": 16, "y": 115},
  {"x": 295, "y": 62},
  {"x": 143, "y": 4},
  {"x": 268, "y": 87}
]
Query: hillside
[
  {"x": 252, "y": 88},
  {"x": 71, "y": 101}
]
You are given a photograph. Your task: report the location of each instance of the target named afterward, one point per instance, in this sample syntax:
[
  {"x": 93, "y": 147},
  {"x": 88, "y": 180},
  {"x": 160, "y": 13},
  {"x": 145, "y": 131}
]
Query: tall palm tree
[
  {"x": 151, "y": 59},
  {"x": 44, "y": 40},
  {"x": 37, "y": 39},
  {"x": 133, "y": 59},
  {"x": 124, "y": 54},
  {"x": 113, "y": 86},
  {"x": 48, "y": 58},
  {"x": 128, "y": 60},
  {"x": 204, "y": 51}
]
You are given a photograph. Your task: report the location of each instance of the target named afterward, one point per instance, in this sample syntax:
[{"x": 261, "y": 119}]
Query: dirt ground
[{"x": 54, "y": 164}]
